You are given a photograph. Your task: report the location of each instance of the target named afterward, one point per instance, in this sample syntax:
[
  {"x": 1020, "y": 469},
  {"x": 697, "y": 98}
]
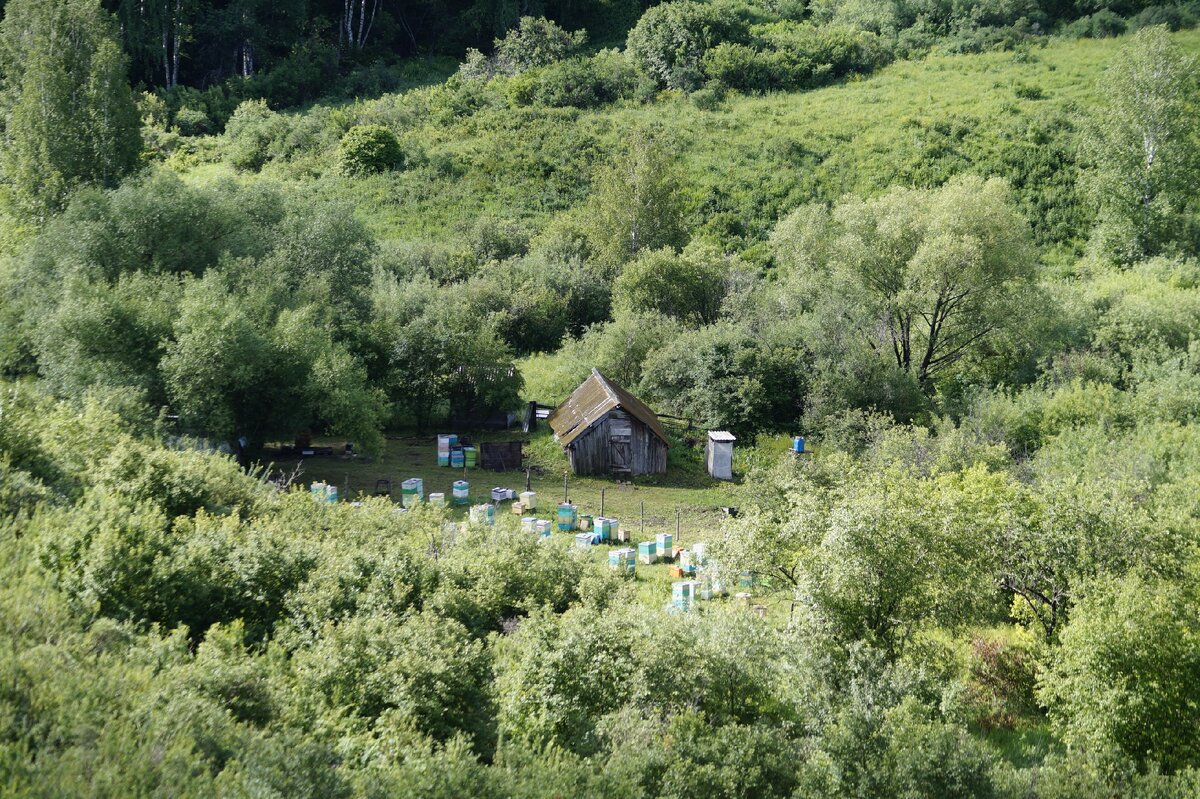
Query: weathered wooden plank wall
[{"x": 590, "y": 452}]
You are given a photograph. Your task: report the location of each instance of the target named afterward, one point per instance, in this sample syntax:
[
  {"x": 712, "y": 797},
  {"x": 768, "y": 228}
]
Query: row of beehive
[{"x": 451, "y": 453}]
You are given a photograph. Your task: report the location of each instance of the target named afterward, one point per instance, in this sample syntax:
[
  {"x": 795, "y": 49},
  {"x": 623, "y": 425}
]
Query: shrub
[
  {"x": 686, "y": 287},
  {"x": 710, "y": 96},
  {"x": 368, "y": 150},
  {"x": 1100, "y": 25},
  {"x": 579, "y": 82},
  {"x": 193, "y": 122},
  {"x": 670, "y": 40},
  {"x": 1028, "y": 91},
  {"x": 535, "y": 42},
  {"x": 252, "y": 131},
  {"x": 1174, "y": 17},
  {"x": 1127, "y": 674}
]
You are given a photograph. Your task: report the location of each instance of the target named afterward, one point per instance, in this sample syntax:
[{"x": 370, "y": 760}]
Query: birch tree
[
  {"x": 1143, "y": 142},
  {"x": 636, "y": 203},
  {"x": 358, "y": 18},
  {"x": 69, "y": 112}
]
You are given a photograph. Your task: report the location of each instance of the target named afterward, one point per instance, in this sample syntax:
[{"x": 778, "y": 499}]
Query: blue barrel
[{"x": 798, "y": 444}]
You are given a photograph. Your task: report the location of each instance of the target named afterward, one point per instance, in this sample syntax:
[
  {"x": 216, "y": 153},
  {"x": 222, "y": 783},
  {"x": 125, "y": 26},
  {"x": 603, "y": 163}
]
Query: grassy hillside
[{"x": 747, "y": 160}]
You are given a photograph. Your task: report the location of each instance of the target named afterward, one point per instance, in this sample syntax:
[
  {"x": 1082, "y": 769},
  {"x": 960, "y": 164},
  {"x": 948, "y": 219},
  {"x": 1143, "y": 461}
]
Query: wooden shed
[{"x": 607, "y": 430}]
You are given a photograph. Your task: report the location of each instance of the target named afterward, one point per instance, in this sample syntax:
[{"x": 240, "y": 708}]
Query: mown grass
[{"x": 697, "y": 498}]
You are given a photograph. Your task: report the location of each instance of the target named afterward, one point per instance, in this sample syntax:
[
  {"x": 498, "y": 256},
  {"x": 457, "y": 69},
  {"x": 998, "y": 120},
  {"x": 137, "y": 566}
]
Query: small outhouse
[{"x": 720, "y": 454}]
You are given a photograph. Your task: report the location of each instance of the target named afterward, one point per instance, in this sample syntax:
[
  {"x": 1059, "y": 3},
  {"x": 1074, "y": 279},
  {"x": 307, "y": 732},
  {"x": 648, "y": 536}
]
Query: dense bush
[
  {"x": 252, "y": 131},
  {"x": 670, "y": 40},
  {"x": 369, "y": 149}
]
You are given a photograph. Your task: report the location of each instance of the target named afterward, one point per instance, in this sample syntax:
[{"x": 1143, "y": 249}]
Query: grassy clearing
[
  {"x": 686, "y": 489},
  {"x": 697, "y": 498}
]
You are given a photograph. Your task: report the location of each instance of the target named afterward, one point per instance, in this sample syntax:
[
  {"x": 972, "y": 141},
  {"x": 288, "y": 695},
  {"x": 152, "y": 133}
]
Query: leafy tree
[
  {"x": 1126, "y": 677},
  {"x": 875, "y": 555},
  {"x": 424, "y": 667},
  {"x": 935, "y": 276},
  {"x": 730, "y": 377},
  {"x": 535, "y": 42},
  {"x": 1144, "y": 143},
  {"x": 541, "y": 696},
  {"x": 240, "y": 369},
  {"x": 1069, "y": 532},
  {"x": 636, "y": 203},
  {"x": 873, "y": 751},
  {"x": 430, "y": 354},
  {"x": 253, "y": 132},
  {"x": 71, "y": 118},
  {"x": 687, "y": 287}
]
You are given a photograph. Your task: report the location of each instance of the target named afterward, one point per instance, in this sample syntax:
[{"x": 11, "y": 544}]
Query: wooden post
[
  {"x": 643, "y": 529},
  {"x": 527, "y": 471},
  {"x": 565, "y": 497},
  {"x": 602, "y": 502},
  {"x": 677, "y": 539}
]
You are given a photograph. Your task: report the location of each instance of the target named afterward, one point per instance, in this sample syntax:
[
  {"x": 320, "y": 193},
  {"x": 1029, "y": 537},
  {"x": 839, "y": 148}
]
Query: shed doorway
[{"x": 620, "y": 445}]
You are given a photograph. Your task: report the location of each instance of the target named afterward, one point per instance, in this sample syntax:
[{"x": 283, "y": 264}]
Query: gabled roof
[
  {"x": 721, "y": 436},
  {"x": 595, "y": 397}
]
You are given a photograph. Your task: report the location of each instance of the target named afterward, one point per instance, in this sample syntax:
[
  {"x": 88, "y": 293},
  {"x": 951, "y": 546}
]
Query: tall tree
[
  {"x": 927, "y": 277},
  {"x": 358, "y": 18},
  {"x": 636, "y": 203},
  {"x": 1144, "y": 145},
  {"x": 154, "y": 32},
  {"x": 69, "y": 114}
]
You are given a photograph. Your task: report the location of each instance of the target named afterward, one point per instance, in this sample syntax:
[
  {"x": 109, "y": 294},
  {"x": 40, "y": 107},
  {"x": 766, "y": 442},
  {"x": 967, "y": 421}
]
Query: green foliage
[
  {"x": 725, "y": 377},
  {"x": 252, "y": 132},
  {"x": 369, "y": 149},
  {"x": 1142, "y": 143},
  {"x": 670, "y": 40},
  {"x": 193, "y": 121},
  {"x": 71, "y": 119},
  {"x": 1125, "y": 678},
  {"x": 535, "y": 42},
  {"x": 687, "y": 287},
  {"x": 636, "y": 203},
  {"x": 934, "y": 274}
]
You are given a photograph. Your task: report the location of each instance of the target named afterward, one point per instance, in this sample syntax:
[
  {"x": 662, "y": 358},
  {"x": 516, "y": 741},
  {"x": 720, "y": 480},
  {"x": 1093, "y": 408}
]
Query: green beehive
[
  {"x": 566, "y": 517},
  {"x": 469, "y": 456},
  {"x": 683, "y": 594},
  {"x": 622, "y": 560},
  {"x": 647, "y": 552},
  {"x": 412, "y": 491},
  {"x": 461, "y": 495},
  {"x": 607, "y": 528}
]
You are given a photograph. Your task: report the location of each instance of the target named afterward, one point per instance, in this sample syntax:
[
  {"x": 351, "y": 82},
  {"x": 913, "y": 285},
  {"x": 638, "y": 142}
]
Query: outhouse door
[{"x": 620, "y": 445}]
